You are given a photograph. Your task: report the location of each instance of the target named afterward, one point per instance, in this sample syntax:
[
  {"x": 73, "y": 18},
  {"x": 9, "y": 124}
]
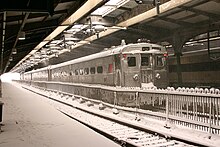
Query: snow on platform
[{"x": 30, "y": 122}]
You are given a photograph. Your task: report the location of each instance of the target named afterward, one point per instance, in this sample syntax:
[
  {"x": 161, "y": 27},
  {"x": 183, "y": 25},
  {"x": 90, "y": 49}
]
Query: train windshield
[
  {"x": 160, "y": 60},
  {"x": 131, "y": 61},
  {"x": 145, "y": 60}
]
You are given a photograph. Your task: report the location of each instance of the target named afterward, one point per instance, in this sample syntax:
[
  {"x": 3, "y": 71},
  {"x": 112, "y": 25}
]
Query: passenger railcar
[{"x": 132, "y": 65}]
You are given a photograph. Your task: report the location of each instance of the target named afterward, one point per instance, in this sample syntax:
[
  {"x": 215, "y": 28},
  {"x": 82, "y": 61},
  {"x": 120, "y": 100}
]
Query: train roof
[
  {"x": 37, "y": 70},
  {"x": 126, "y": 49}
]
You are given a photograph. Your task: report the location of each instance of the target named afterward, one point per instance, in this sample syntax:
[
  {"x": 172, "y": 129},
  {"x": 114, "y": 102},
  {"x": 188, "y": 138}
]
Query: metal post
[
  {"x": 178, "y": 42},
  {"x": 0, "y": 88},
  {"x": 2, "y": 51},
  {"x": 1, "y": 115},
  {"x": 136, "y": 107},
  {"x": 115, "y": 99},
  {"x": 115, "y": 110},
  {"x": 167, "y": 110},
  {"x": 210, "y": 118},
  {"x": 179, "y": 70}
]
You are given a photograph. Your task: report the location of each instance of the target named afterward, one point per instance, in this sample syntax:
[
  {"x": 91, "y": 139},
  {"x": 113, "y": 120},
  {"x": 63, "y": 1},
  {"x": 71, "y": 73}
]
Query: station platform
[{"x": 30, "y": 122}]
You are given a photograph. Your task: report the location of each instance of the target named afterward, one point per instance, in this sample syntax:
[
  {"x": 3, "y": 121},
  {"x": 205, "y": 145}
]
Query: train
[{"x": 126, "y": 65}]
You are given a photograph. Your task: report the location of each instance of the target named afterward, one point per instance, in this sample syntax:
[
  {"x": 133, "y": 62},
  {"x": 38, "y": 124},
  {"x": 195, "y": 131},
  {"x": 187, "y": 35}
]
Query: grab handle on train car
[{"x": 135, "y": 77}]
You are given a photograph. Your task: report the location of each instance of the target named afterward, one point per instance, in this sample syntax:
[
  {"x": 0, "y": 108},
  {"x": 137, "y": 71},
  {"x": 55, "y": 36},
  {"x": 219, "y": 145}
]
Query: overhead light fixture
[
  {"x": 21, "y": 35},
  {"x": 76, "y": 28},
  {"x": 54, "y": 47},
  {"x": 14, "y": 51},
  {"x": 69, "y": 37},
  {"x": 99, "y": 28},
  {"x": 71, "y": 42},
  {"x": 55, "y": 42}
]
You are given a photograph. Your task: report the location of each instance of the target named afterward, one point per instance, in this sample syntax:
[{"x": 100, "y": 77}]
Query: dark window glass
[
  {"x": 99, "y": 69},
  {"x": 144, "y": 61},
  {"x": 76, "y": 72},
  {"x": 92, "y": 70},
  {"x": 86, "y": 71},
  {"x": 145, "y": 48},
  {"x": 131, "y": 61},
  {"x": 110, "y": 68},
  {"x": 156, "y": 48},
  {"x": 81, "y": 71}
]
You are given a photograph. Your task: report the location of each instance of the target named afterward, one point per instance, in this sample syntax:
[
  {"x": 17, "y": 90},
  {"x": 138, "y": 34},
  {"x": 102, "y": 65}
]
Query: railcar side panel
[
  {"x": 40, "y": 76},
  {"x": 96, "y": 71}
]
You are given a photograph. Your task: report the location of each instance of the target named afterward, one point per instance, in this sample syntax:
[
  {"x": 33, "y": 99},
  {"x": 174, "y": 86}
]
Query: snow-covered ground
[
  {"x": 30, "y": 122},
  {"x": 145, "y": 122}
]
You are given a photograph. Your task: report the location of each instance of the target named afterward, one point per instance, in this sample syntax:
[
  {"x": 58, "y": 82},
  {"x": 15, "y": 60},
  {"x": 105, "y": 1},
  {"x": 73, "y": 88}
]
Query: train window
[
  {"x": 160, "y": 60},
  {"x": 145, "y": 48},
  {"x": 81, "y": 71},
  {"x": 131, "y": 61},
  {"x": 76, "y": 72},
  {"x": 110, "y": 68},
  {"x": 156, "y": 48},
  {"x": 86, "y": 71},
  {"x": 92, "y": 70},
  {"x": 99, "y": 69},
  {"x": 144, "y": 60}
]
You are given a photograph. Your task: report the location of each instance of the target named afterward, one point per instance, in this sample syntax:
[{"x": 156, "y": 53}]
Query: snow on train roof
[
  {"x": 111, "y": 51},
  {"x": 37, "y": 70}
]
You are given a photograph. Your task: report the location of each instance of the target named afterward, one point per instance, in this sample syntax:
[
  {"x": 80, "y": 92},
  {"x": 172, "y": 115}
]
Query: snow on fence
[{"x": 191, "y": 107}]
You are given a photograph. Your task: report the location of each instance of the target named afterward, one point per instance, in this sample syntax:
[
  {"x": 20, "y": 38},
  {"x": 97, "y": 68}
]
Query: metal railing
[{"x": 195, "y": 108}]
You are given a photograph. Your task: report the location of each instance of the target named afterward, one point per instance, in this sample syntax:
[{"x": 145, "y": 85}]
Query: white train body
[{"x": 132, "y": 65}]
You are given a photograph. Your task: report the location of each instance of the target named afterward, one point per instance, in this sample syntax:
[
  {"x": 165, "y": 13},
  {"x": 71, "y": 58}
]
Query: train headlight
[
  {"x": 135, "y": 77},
  {"x": 157, "y": 76}
]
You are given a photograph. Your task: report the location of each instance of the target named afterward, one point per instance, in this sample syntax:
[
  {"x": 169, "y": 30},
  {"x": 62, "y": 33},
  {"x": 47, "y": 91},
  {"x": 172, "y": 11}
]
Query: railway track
[
  {"x": 127, "y": 135},
  {"x": 121, "y": 133}
]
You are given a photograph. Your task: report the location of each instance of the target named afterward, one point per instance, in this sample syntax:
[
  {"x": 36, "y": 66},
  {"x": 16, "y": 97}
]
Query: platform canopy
[{"x": 71, "y": 29}]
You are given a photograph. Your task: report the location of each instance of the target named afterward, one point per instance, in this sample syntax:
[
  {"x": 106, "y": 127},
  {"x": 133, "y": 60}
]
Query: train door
[
  {"x": 146, "y": 70},
  {"x": 160, "y": 71},
  {"x": 131, "y": 70},
  {"x": 117, "y": 73}
]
